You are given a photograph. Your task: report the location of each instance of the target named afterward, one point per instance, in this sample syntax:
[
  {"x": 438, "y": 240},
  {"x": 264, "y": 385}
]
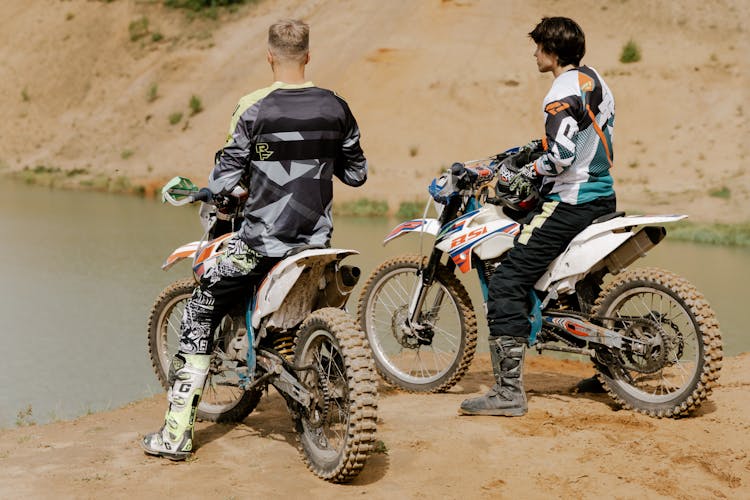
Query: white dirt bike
[
  {"x": 293, "y": 335},
  {"x": 653, "y": 338}
]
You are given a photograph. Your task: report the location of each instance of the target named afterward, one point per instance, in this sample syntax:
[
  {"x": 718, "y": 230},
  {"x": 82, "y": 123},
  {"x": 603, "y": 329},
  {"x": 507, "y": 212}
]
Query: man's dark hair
[{"x": 562, "y": 37}]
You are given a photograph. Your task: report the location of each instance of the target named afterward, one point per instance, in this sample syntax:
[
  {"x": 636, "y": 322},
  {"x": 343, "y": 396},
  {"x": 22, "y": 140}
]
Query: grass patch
[
  {"x": 138, "y": 28},
  {"x": 24, "y": 417},
  {"x": 410, "y": 210},
  {"x": 175, "y": 118},
  {"x": 25, "y": 95},
  {"x": 631, "y": 52},
  {"x": 714, "y": 234},
  {"x": 153, "y": 93},
  {"x": 196, "y": 106},
  {"x": 126, "y": 153},
  {"x": 363, "y": 207},
  {"x": 723, "y": 192}
]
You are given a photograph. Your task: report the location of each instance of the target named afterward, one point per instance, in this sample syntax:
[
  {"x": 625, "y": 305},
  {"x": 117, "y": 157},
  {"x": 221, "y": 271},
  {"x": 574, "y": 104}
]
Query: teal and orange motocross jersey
[
  {"x": 289, "y": 141},
  {"x": 579, "y": 114}
]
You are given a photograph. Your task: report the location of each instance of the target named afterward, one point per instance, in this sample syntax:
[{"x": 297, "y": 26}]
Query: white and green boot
[{"x": 174, "y": 440}]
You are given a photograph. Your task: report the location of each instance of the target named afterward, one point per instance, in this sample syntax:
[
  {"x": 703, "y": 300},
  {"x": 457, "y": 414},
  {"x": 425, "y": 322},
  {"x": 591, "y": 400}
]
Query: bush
[
  {"x": 410, "y": 210},
  {"x": 723, "y": 193},
  {"x": 138, "y": 28},
  {"x": 363, "y": 207},
  {"x": 196, "y": 106},
  {"x": 175, "y": 118},
  {"x": 631, "y": 52}
]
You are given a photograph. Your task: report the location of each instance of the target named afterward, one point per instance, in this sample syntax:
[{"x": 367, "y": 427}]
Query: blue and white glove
[{"x": 523, "y": 182}]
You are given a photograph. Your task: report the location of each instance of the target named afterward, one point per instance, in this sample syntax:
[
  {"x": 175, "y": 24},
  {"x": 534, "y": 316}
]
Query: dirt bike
[
  {"x": 293, "y": 335},
  {"x": 652, "y": 337}
]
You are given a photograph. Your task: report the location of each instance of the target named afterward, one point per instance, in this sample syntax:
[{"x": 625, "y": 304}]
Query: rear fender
[
  {"x": 615, "y": 243},
  {"x": 295, "y": 283}
]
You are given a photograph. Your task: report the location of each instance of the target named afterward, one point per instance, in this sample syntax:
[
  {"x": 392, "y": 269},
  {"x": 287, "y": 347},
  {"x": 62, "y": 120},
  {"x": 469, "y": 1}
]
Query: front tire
[
  {"x": 338, "y": 433},
  {"x": 220, "y": 402},
  {"x": 447, "y": 313},
  {"x": 683, "y": 365}
]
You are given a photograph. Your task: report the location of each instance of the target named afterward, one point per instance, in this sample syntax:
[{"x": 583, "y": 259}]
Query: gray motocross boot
[
  {"x": 174, "y": 440},
  {"x": 507, "y": 397}
]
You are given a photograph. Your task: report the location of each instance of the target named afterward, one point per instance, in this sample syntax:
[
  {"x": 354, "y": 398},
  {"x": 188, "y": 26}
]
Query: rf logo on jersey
[{"x": 262, "y": 150}]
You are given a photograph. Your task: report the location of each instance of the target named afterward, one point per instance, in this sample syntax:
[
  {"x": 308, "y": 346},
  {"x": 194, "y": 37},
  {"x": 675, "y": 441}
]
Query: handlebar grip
[{"x": 204, "y": 194}]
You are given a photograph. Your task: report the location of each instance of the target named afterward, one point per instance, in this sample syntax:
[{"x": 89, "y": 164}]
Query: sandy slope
[
  {"x": 568, "y": 446},
  {"x": 431, "y": 81}
]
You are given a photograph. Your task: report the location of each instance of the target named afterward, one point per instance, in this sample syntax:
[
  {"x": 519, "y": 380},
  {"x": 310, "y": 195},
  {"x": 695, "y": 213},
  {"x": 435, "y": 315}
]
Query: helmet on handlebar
[{"x": 505, "y": 172}]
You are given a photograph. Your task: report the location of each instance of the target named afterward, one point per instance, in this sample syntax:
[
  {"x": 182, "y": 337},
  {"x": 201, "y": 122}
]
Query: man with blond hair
[{"x": 286, "y": 143}]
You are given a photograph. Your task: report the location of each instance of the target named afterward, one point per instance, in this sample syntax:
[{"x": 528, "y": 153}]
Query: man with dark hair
[
  {"x": 576, "y": 188},
  {"x": 289, "y": 139}
]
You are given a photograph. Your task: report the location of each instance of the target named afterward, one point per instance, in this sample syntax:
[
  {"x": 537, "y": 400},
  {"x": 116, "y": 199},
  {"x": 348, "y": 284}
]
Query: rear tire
[
  {"x": 338, "y": 434},
  {"x": 219, "y": 402},
  {"x": 684, "y": 364}
]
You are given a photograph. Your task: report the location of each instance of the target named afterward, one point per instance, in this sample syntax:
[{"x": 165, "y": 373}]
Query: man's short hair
[
  {"x": 289, "y": 39},
  {"x": 562, "y": 37}
]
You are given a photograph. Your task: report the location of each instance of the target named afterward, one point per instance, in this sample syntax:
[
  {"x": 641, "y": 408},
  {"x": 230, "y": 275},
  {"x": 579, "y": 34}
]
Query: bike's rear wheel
[
  {"x": 447, "y": 314},
  {"x": 222, "y": 400},
  {"x": 338, "y": 433},
  {"x": 684, "y": 360}
]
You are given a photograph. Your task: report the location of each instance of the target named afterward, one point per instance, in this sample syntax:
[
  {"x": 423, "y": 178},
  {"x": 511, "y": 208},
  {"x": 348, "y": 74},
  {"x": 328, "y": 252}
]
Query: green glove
[{"x": 523, "y": 182}]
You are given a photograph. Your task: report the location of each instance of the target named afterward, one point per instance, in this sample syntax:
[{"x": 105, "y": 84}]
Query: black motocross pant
[
  {"x": 230, "y": 281},
  {"x": 545, "y": 233}
]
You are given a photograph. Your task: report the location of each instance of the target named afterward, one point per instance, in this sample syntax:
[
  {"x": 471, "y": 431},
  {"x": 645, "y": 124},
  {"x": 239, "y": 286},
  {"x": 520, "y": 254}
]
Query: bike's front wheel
[
  {"x": 680, "y": 363},
  {"x": 222, "y": 399},
  {"x": 431, "y": 354},
  {"x": 337, "y": 431}
]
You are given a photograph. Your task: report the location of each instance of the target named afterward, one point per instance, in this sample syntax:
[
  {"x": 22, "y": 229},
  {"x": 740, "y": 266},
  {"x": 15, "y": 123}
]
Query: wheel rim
[
  {"x": 387, "y": 309},
  {"x": 678, "y": 336},
  {"x": 220, "y": 392},
  {"x": 326, "y": 428}
]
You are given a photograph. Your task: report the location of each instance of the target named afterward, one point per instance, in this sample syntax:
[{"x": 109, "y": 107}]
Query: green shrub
[
  {"x": 410, "y": 210},
  {"x": 723, "y": 193},
  {"x": 196, "y": 106},
  {"x": 153, "y": 93},
  {"x": 363, "y": 207},
  {"x": 631, "y": 52},
  {"x": 138, "y": 28},
  {"x": 175, "y": 118},
  {"x": 714, "y": 234}
]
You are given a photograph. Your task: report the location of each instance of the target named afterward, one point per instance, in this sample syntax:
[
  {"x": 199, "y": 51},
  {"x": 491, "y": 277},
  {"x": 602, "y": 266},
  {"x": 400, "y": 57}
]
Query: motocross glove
[
  {"x": 533, "y": 146},
  {"x": 463, "y": 176},
  {"x": 522, "y": 183}
]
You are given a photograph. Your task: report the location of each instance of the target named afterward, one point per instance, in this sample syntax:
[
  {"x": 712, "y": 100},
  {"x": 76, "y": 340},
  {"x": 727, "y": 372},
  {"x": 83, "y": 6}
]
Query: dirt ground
[
  {"x": 89, "y": 87},
  {"x": 569, "y": 445}
]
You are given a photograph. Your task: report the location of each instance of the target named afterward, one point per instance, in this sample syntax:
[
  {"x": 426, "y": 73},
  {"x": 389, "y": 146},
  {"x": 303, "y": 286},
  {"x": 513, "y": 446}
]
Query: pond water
[{"x": 80, "y": 271}]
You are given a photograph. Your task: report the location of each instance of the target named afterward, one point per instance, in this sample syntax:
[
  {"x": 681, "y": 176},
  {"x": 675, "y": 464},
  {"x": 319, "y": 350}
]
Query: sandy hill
[{"x": 431, "y": 82}]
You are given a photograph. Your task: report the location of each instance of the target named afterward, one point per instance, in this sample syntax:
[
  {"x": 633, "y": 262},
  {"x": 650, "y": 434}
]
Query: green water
[{"x": 80, "y": 271}]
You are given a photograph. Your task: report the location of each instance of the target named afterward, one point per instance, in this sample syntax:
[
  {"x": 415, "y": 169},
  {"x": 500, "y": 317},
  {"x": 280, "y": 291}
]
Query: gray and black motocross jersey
[
  {"x": 579, "y": 114},
  {"x": 290, "y": 140}
]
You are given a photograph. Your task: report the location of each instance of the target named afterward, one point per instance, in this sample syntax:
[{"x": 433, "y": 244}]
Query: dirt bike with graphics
[
  {"x": 293, "y": 335},
  {"x": 652, "y": 337}
]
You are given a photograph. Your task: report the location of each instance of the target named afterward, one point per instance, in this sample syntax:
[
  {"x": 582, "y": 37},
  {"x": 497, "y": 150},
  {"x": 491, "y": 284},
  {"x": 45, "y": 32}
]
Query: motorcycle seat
[{"x": 606, "y": 217}]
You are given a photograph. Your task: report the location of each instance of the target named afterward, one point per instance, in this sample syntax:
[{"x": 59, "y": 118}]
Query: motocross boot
[
  {"x": 174, "y": 440},
  {"x": 507, "y": 397}
]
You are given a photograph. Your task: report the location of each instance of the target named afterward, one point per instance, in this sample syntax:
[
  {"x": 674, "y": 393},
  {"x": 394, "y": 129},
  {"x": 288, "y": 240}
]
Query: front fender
[{"x": 429, "y": 226}]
